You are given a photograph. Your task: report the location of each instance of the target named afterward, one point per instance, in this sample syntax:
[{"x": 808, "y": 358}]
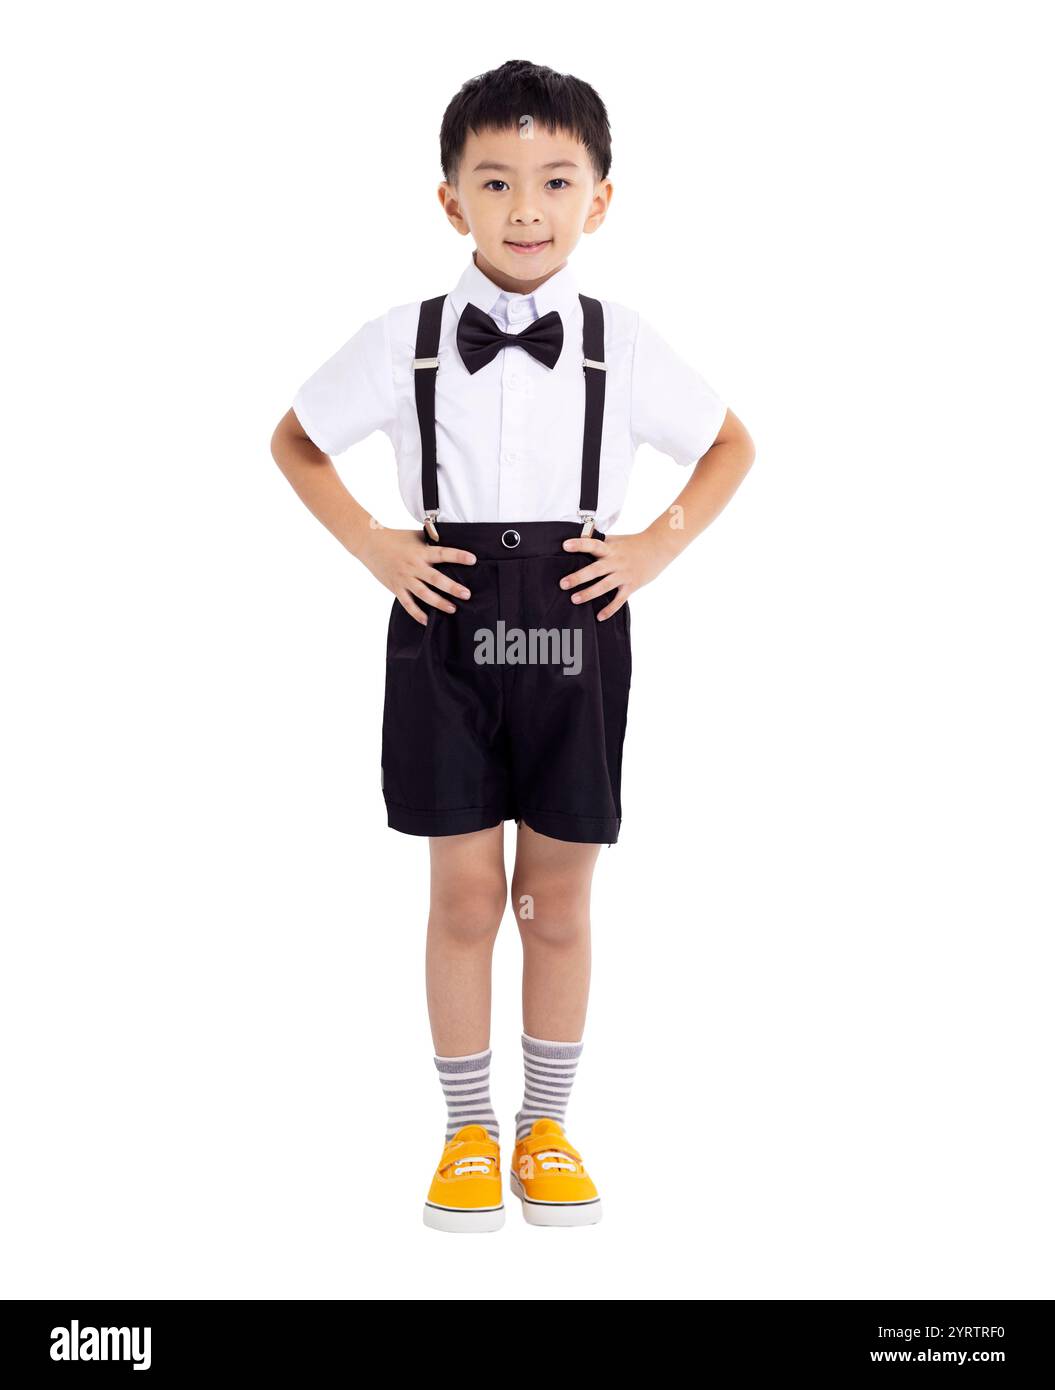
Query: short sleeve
[
  {"x": 672, "y": 407},
  {"x": 351, "y": 395}
]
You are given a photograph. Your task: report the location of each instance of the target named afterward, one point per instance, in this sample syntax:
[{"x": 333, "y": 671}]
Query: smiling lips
[{"x": 526, "y": 248}]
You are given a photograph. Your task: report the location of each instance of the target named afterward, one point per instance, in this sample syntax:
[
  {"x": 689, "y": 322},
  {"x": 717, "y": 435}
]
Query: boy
[{"x": 515, "y": 405}]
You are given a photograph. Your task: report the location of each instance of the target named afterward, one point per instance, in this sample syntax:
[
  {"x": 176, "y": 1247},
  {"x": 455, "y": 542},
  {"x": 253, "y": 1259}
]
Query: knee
[
  {"x": 469, "y": 909},
  {"x": 554, "y": 909}
]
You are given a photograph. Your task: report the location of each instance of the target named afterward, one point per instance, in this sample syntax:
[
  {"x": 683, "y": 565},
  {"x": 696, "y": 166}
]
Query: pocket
[
  {"x": 405, "y": 634},
  {"x": 624, "y": 643}
]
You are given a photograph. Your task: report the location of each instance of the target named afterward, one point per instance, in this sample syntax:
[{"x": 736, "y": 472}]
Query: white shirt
[{"x": 509, "y": 436}]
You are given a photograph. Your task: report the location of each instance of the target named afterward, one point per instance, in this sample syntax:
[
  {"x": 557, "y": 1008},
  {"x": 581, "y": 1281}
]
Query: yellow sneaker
[
  {"x": 466, "y": 1192},
  {"x": 549, "y": 1178}
]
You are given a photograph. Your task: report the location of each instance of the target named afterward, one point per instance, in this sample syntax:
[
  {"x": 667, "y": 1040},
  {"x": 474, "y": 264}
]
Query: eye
[
  {"x": 559, "y": 180},
  {"x": 491, "y": 181}
]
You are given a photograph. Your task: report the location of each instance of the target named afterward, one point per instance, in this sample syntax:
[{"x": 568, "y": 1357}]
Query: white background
[{"x": 818, "y": 1056}]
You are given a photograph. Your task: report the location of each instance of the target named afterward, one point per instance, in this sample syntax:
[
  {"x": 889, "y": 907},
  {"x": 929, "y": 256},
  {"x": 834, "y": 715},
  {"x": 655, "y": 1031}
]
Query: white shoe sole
[
  {"x": 555, "y": 1213},
  {"x": 455, "y": 1219}
]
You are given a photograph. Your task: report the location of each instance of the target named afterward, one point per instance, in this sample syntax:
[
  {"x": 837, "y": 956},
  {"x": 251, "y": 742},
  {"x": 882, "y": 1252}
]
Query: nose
[{"x": 525, "y": 214}]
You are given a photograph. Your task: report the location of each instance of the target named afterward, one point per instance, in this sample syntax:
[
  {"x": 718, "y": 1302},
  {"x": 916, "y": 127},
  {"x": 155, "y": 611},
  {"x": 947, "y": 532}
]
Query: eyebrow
[{"x": 508, "y": 168}]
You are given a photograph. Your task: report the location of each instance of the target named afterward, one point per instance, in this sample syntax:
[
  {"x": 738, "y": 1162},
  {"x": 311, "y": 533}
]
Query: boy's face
[{"x": 525, "y": 185}]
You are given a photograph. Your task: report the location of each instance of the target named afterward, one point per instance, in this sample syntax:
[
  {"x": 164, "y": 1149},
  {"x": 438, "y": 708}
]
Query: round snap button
[{"x": 510, "y": 539}]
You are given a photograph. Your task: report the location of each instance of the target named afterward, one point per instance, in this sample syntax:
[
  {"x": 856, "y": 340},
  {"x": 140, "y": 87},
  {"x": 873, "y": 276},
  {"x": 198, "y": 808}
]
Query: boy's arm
[
  {"x": 626, "y": 562},
  {"x": 399, "y": 559},
  {"x": 715, "y": 478},
  {"x": 316, "y": 482}
]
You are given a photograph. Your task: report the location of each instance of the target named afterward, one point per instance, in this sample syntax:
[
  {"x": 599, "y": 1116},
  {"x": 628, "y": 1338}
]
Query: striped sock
[
  {"x": 549, "y": 1070},
  {"x": 466, "y": 1083}
]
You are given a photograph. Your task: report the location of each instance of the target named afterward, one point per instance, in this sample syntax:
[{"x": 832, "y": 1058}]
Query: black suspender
[
  {"x": 594, "y": 368},
  {"x": 426, "y": 364}
]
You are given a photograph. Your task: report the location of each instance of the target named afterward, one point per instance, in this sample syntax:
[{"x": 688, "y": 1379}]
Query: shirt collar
[{"x": 559, "y": 292}]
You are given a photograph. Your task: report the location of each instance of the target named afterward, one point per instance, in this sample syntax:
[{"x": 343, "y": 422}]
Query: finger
[
  {"x": 621, "y": 596},
  {"x": 446, "y": 583},
  {"x": 588, "y": 544},
  {"x": 605, "y": 586},
  {"x": 413, "y": 609},
  {"x": 433, "y": 599},
  {"x": 447, "y": 555},
  {"x": 588, "y": 572}
]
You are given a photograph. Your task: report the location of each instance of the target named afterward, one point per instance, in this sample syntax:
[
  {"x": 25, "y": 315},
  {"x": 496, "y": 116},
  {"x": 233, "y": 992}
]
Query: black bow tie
[{"x": 480, "y": 339}]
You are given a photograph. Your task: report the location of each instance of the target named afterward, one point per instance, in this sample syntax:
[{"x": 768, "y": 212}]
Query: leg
[
  {"x": 467, "y": 903},
  {"x": 466, "y": 906},
  {"x": 551, "y": 899}
]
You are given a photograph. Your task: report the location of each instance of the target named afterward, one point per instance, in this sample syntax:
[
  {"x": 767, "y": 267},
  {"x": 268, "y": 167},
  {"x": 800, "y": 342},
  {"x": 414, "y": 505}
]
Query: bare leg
[
  {"x": 551, "y": 899},
  {"x": 467, "y": 902}
]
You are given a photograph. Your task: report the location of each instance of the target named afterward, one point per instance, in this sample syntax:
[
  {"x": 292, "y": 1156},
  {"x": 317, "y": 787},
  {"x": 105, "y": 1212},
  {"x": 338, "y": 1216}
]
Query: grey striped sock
[
  {"x": 466, "y": 1083},
  {"x": 549, "y": 1070}
]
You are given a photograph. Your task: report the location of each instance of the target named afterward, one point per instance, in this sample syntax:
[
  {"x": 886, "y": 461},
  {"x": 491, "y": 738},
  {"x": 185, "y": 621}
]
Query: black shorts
[{"x": 514, "y": 706}]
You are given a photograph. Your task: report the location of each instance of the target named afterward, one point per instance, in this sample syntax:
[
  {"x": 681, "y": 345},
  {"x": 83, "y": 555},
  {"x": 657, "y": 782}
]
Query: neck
[{"x": 506, "y": 282}]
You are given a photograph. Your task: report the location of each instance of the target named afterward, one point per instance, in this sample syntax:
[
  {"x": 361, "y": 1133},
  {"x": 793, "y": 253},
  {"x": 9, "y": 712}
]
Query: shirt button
[{"x": 514, "y": 380}]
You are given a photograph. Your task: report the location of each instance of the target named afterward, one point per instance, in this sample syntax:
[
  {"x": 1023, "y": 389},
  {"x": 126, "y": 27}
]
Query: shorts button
[{"x": 510, "y": 539}]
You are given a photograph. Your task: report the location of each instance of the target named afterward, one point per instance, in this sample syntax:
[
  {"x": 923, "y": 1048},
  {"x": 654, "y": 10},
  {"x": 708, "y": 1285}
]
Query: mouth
[{"x": 527, "y": 248}]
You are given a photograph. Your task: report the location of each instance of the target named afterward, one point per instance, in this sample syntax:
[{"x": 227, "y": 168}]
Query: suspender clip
[
  {"x": 426, "y": 362},
  {"x": 601, "y": 366},
  {"x": 588, "y": 520},
  {"x": 430, "y": 524}
]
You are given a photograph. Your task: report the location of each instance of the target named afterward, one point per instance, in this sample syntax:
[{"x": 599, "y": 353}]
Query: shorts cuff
[
  {"x": 461, "y": 822},
  {"x": 580, "y": 830}
]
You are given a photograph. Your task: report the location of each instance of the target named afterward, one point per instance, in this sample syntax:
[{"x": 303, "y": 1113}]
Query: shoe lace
[
  {"x": 473, "y": 1163},
  {"x": 557, "y": 1158}
]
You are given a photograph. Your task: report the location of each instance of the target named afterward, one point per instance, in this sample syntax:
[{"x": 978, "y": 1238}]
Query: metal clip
[
  {"x": 601, "y": 366},
  {"x": 430, "y": 524},
  {"x": 426, "y": 362},
  {"x": 588, "y": 520}
]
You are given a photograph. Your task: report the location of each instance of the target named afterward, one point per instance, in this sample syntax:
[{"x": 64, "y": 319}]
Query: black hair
[{"x": 500, "y": 99}]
